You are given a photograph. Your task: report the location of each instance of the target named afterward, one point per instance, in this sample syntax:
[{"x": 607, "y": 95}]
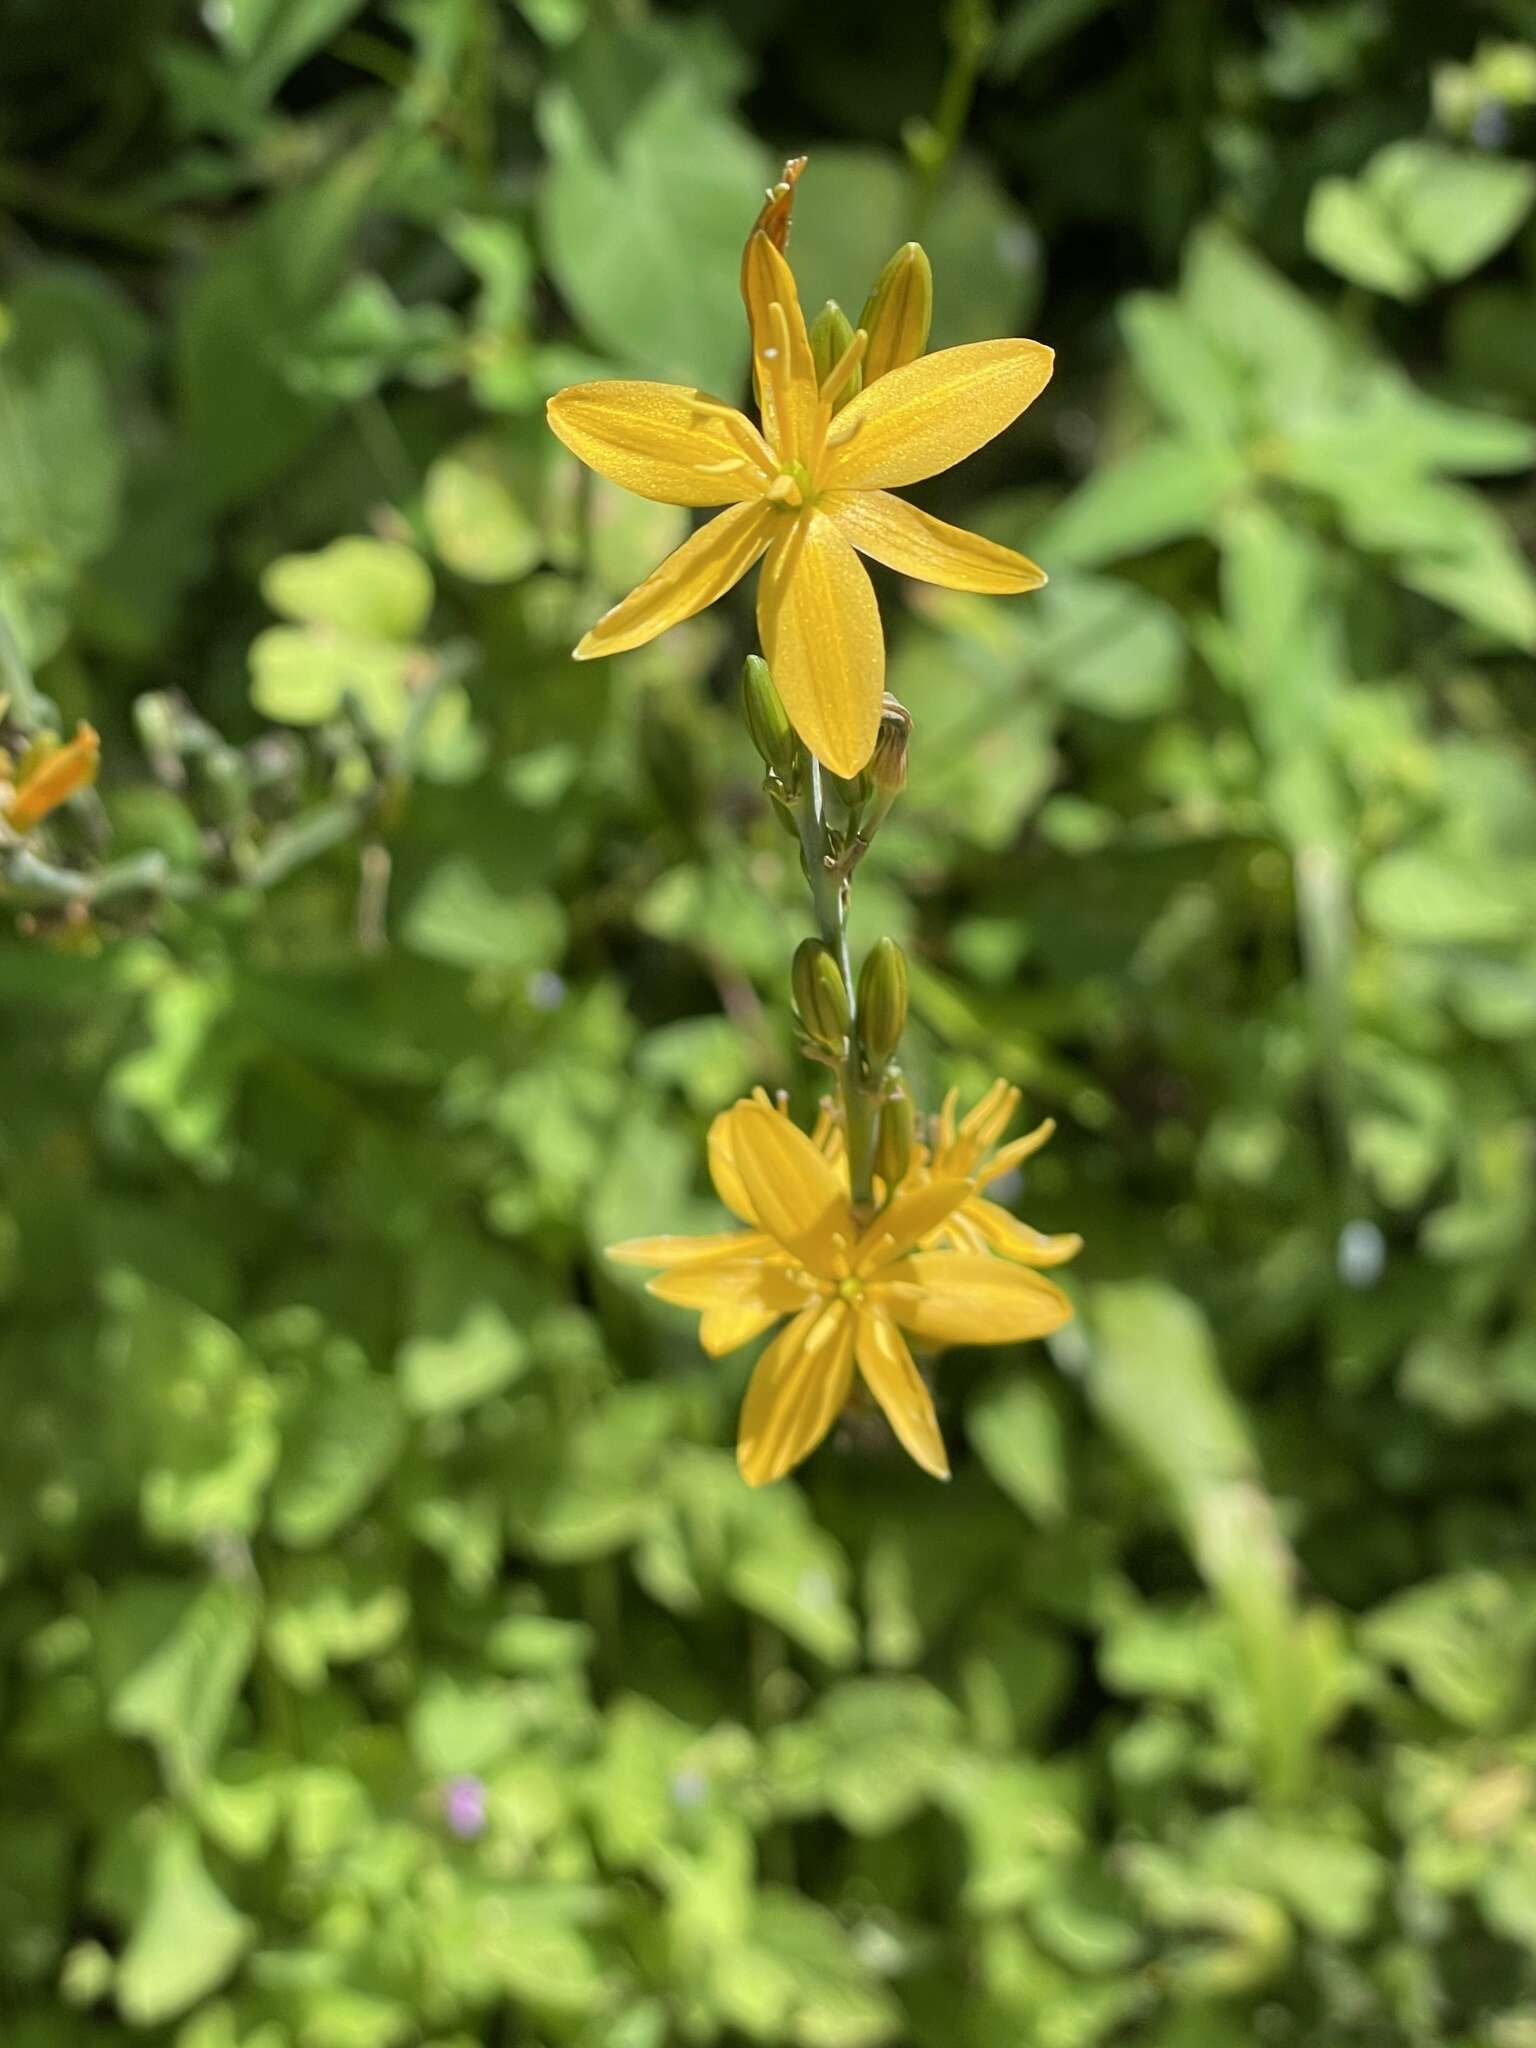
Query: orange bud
[{"x": 53, "y": 777}]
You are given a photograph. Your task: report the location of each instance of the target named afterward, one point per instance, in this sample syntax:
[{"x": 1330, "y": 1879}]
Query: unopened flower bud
[
  {"x": 768, "y": 722},
  {"x": 888, "y": 763},
  {"x": 893, "y": 1139},
  {"x": 831, "y": 339},
  {"x": 898, "y": 312},
  {"x": 882, "y": 1001},
  {"x": 820, "y": 997}
]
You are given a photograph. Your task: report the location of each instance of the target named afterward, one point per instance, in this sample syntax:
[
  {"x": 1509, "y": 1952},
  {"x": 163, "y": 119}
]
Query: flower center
[
  {"x": 792, "y": 489},
  {"x": 850, "y": 1289}
]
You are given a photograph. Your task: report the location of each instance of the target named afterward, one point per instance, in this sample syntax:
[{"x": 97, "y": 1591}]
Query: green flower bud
[
  {"x": 882, "y": 1001},
  {"x": 768, "y": 722},
  {"x": 898, "y": 312},
  {"x": 831, "y": 339},
  {"x": 893, "y": 1139},
  {"x": 821, "y": 1000}
]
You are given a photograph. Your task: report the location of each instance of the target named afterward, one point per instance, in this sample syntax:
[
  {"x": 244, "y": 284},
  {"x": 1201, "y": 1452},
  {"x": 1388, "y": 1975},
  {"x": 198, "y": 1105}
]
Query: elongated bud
[
  {"x": 882, "y": 1001},
  {"x": 831, "y": 339},
  {"x": 768, "y": 722},
  {"x": 893, "y": 1139},
  {"x": 898, "y": 312},
  {"x": 885, "y": 774},
  {"x": 820, "y": 997},
  {"x": 888, "y": 764}
]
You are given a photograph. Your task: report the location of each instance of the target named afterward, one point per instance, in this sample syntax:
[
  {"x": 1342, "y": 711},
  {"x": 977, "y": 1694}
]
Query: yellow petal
[
  {"x": 724, "y": 1171},
  {"x": 797, "y": 1392},
  {"x": 664, "y": 441},
  {"x": 726, "y": 1329},
  {"x": 772, "y": 1289},
  {"x": 797, "y": 1194},
  {"x": 915, "y": 544},
  {"x": 693, "y": 576},
  {"x": 915, "y": 1214},
  {"x": 1015, "y": 1154},
  {"x": 820, "y": 629},
  {"x": 681, "y": 1251},
  {"x": 783, "y": 368},
  {"x": 988, "y": 1118},
  {"x": 968, "y": 1298},
  {"x": 932, "y": 413},
  {"x": 1016, "y": 1240},
  {"x": 897, "y": 1385}
]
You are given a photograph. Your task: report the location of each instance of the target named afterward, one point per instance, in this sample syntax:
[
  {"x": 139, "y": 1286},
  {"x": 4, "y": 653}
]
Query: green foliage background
[{"x": 401, "y": 964}]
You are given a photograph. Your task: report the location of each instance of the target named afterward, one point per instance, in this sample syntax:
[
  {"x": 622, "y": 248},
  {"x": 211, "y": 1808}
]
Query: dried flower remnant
[{"x": 49, "y": 774}]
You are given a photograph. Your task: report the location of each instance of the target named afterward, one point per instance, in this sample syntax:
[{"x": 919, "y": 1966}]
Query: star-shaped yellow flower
[
  {"x": 810, "y": 489},
  {"x": 850, "y": 1292}
]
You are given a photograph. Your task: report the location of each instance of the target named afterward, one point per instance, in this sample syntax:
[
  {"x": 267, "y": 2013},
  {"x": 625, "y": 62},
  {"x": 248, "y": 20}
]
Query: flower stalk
[{"x": 873, "y": 1228}]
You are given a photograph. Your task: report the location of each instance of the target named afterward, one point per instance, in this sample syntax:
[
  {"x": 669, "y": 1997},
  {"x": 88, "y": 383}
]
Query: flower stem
[{"x": 829, "y": 870}]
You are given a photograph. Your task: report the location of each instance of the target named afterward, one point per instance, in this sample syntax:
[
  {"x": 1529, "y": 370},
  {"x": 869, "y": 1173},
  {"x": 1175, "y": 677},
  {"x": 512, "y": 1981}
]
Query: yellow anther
[{"x": 777, "y": 378}]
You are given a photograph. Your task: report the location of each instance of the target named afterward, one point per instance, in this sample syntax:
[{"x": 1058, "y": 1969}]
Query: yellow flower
[
  {"x": 965, "y": 1152},
  {"x": 850, "y": 1292},
  {"x": 51, "y": 774},
  {"x": 805, "y": 493}
]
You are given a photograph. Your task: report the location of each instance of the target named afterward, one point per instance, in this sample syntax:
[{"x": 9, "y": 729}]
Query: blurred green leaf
[{"x": 186, "y": 1938}]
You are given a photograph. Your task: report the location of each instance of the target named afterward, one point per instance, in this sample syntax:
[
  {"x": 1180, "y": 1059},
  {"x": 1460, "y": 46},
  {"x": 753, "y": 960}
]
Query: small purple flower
[{"x": 464, "y": 1807}]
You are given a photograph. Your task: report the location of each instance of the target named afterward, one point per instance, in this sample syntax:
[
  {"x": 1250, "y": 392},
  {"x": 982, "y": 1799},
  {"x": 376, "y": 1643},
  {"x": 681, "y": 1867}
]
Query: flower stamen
[{"x": 776, "y": 374}]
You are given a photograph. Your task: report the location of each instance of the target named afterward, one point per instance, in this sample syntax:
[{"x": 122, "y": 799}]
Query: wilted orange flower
[
  {"x": 807, "y": 492},
  {"x": 51, "y": 775},
  {"x": 851, "y": 1291}
]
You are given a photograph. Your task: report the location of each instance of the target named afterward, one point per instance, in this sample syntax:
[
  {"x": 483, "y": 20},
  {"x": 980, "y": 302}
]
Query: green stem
[
  {"x": 830, "y": 873},
  {"x": 969, "y": 29}
]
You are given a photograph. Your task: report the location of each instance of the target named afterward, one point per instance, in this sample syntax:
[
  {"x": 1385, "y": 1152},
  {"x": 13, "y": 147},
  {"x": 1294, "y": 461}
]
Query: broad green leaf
[
  {"x": 304, "y": 676},
  {"x": 1467, "y": 1642},
  {"x": 241, "y": 418},
  {"x": 1352, "y": 230},
  {"x": 320, "y": 1613},
  {"x": 1105, "y": 646},
  {"x": 478, "y": 527},
  {"x": 374, "y": 589},
  {"x": 1193, "y": 385},
  {"x": 1016, "y": 1428},
  {"x": 181, "y": 1697},
  {"x": 643, "y": 230},
  {"x": 1453, "y": 208},
  {"x": 1260, "y": 319},
  {"x": 186, "y": 1939},
  {"x": 469, "y": 1311},
  {"x": 337, "y": 1449},
  {"x": 1432, "y": 896},
  {"x": 1166, "y": 490},
  {"x": 457, "y": 917}
]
